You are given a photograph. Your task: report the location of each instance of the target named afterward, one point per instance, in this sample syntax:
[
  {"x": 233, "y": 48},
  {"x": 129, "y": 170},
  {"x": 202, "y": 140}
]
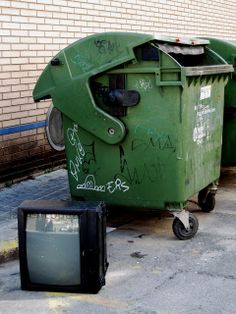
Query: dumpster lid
[
  {"x": 66, "y": 80},
  {"x": 184, "y": 46},
  {"x": 182, "y": 41},
  {"x": 184, "y": 50}
]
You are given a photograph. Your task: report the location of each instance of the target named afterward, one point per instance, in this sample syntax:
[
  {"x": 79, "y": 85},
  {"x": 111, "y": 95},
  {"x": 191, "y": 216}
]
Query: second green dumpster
[
  {"x": 143, "y": 121},
  {"x": 227, "y": 49}
]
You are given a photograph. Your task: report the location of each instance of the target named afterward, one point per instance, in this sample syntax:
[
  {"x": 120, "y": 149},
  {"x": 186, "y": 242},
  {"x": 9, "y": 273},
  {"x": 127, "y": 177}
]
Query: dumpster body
[
  {"x": 227, "y": 49},
  {"x": 142, "y": 118}
]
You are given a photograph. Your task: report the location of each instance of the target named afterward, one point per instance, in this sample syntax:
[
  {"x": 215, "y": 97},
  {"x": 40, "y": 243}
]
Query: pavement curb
[{"x": 8, "y": 251}]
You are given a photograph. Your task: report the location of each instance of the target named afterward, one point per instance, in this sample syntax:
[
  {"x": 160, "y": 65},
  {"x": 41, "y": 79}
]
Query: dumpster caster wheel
[
  {"x": 181, "y": 232},
  {"x": 206, "y": 200}
]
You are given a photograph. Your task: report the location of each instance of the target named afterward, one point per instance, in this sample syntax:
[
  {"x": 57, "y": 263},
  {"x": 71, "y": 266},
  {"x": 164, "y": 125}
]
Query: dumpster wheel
[
  {"x": 206, "y": 200},
  {"x": 181, "y": 232}
]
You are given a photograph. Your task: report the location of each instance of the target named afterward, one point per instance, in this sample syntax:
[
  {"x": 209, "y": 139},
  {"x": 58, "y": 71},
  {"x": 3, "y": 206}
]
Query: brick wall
[{"x": 32, "y": 31}]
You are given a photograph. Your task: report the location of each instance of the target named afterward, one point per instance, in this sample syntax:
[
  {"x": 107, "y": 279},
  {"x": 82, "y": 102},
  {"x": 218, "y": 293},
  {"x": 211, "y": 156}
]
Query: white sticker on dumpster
[
  {"x": 203, "y": 123},
  {"x": 205, "y": 92}
]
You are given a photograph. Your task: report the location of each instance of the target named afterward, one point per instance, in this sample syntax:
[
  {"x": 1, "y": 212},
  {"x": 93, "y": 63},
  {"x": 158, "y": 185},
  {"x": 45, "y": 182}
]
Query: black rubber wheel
[
  {"x": 206, "y": 200},
  {"x": 209, "y": 203},
  {"x": 202, "y": 196},
  {"x": 181, "y": 232}
]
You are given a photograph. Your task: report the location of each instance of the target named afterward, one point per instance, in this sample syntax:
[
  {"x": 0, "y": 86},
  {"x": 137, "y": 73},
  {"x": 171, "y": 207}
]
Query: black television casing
[{"x": 92, "y": 237}]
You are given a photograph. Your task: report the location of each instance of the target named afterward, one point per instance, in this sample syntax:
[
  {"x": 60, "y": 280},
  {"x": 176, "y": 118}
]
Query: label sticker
[
  {"x": 203, "y": 123},
  {"x": 205, "y": 92}
]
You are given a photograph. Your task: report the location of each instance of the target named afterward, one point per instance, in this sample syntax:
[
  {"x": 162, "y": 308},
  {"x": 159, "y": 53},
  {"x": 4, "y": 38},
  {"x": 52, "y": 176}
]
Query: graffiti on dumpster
[
  {"x": 83, "y": 163},
  {"x": 151, "y": 172},
  {"x": 111, "y": 186},
  {"x": 75, "y": 165},
  {"x": 144, "y": 85},
  {"x": 90, "y": 185},
  {"x": 149, "y": 138},
  {"x": 161, "y": 143},
  {"x": 203, "y": 126},
  {"x": 105, "y": 46},
  {"x": 84, "y": 62}
]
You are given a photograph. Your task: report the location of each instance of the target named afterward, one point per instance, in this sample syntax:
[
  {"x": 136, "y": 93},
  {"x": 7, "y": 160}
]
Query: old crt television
[{"x": 62, "y": 245}]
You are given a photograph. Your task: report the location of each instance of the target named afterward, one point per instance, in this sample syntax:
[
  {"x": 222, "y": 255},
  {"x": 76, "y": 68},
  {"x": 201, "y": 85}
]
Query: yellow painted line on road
[
  {"x": 8, "y": 250},
  {"x": 92, "y": 299},
  {"x": 99, "y": 300},
  {"x": 8, "y": 245},
  {"x": 57, "y": 305}
]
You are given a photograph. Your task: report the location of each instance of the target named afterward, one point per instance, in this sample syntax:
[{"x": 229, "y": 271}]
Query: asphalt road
[{"x": 150, "y": 270}]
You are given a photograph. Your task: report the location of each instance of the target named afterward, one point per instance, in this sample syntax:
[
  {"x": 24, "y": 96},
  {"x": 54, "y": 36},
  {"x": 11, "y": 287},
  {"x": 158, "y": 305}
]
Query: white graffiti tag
[
  {"x": 90, "y": 185},
  {"x": 75, "y": 165},
  {"x": 111, "y": 186},
  {"x": 76, "y": 168},
  {"x": 144, "y": 84}
]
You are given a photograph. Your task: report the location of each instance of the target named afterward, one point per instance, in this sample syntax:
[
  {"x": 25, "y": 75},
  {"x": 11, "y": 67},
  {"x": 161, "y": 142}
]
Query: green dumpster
[
  {"x": 227, "y": 49},
  {"x": 142, "y": 118}
]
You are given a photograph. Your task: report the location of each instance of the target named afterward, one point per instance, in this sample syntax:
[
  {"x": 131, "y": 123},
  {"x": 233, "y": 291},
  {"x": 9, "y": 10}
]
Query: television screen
[
  {"x": 62, "y": 245},
  {"x": 53, "y": 249}
]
